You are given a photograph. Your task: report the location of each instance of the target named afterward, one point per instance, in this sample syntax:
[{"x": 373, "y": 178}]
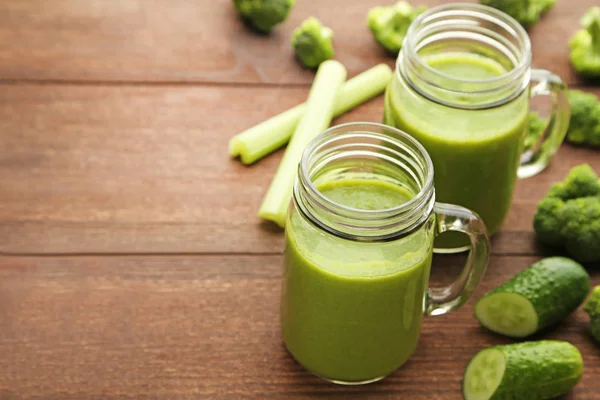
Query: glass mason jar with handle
[
  {"x": 359, "y": 243},
  {"x": 462, "y": 89}
]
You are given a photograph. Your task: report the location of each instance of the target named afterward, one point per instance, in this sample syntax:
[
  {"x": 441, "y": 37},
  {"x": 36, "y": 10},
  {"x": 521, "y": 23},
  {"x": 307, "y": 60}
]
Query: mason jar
[
  {"x": 359, "y": 242},
  {"x": 462, "y": 88}
]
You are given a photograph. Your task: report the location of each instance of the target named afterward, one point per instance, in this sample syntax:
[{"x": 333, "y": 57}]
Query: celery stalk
[
  {"x": 315, "y": 119},
  {"x": 264, "y": 138},
  {"x": 362, "y": 87}
]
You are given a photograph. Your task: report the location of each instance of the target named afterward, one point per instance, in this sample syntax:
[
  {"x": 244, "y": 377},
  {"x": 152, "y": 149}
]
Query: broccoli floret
[
  {"x": 569, "y": 215},
  {"x": 584, "y": 127},
  {"x": 535, "y": 128},
  {"x": 312, "y": 43},
  {"x": 582, "y": 181},
  {"x": 581, "y": 229},
  {"x": 592, "y": 307},
  {"x": 263, "y": 15},
  {"x": 545, "y": 222},
  {"x": 595, "y": 327},
  {"x": 585, "y": 45},
  {"x": 526, "y": 12},
  {"x": 390, "y": 24}
]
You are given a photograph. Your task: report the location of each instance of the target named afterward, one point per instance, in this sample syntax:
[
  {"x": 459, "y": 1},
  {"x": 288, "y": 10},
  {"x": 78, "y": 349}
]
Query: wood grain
[
  {"x": 88, "y": 169},
  {"x": 132, "y": 263},
  {"x": 207, "y": 327},
  {"x": 202, "y": 41}
]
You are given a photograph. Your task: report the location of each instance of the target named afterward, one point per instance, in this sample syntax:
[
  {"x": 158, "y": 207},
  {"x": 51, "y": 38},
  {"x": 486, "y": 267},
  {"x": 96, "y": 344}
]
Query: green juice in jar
[
  {"x": 359, "y": 244},
  {"x": 352, "y": 311},
  {"x": 475, "y": 152}
]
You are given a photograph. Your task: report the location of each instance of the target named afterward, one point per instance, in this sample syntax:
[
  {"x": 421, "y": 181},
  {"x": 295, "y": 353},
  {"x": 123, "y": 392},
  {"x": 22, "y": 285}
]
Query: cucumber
[
  {"x": 523, "y": 371},
  {"x": 536, "y": 298}
]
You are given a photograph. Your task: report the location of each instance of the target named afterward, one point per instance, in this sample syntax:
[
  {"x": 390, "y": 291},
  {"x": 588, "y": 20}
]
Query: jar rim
[
  {"x": 405, "y": 217},
  {"x": 473, "y": 9}
]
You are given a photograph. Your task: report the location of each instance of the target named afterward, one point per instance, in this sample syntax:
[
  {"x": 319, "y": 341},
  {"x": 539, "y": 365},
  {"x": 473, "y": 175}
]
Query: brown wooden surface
[
  {"x": 204, "y": 41},
  {"x": 177, "y": 327},
  {"x": 132, "y": 263}
]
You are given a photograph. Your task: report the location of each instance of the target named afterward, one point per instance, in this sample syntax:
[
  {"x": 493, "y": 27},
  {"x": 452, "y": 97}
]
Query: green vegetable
[
  {"x": 584, "y": 127},
  {"x": 260, "y": 140},
  {"x": 569, "y": 215},
  {"x": 592, "y": 307},
  {"x": 582, "y": 228},
  {"x": 316, "y": 118},
  {"x": 536, "y": 298},
  {"x": 263, "y": 15},
  {"x": 524, "y": 371},
  {"x": 582, "y": 181},
  {"x": 585, "y": 45},
  {"x": 526, "y": 12},
  {"x": 313, "y": 43},
  {"x": 390, "y": 24},
  {"x": 535, "y": 128}
]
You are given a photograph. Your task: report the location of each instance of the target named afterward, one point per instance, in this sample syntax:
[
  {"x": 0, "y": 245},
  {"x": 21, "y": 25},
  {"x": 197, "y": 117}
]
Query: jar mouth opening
[
  {"x": 472, "y": 10},
  {"x": 410, "y": 211}
]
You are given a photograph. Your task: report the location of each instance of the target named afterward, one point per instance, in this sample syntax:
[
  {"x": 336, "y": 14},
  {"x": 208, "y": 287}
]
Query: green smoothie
[
  {"x": 351, "y": 311},
  {"x": 475, "y": 153}
]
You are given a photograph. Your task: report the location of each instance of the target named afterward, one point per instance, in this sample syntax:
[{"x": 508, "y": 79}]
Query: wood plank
[
  {"x": 87, "y": 169},
  {"x": 207, "y": 327},
  {"x": 198, "y": 237},
  {"x": 205, "y": 41}
]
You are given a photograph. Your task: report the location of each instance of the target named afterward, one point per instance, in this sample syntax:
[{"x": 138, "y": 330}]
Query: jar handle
[
  {"x": 536, "y": 159},
  {"x": 439, "y": 301}
]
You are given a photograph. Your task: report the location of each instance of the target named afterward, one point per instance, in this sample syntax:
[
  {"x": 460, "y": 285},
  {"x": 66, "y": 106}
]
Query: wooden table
[{"x": 133, "y": 264}]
